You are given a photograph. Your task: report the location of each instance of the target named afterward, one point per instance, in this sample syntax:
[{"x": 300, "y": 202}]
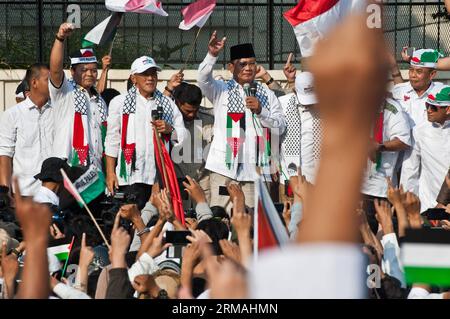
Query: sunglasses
[{"x": 434, "y": 108}]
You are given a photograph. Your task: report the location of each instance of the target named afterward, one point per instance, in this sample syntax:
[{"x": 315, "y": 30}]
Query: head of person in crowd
[
  {"x": 304, "y": 88},
  {"x": 188, "y": 98},
  {"x": 219, "y": 213},
  {"x": 22, "y": 91},
  {"x": 144, "y": 74},
  {"x": 50, "y": 174},
  {"x": 422, "y": 69},
  {"x": 109, "y": 94},
  {"x": 84, "y": 68},
  {"x": 36, "y": 79},
  {"x": 438, "y": 105},
  {"x": 169, "y": 281},
  {"x": 242, "y": 63},
  {"x": 216, "y": 230}
]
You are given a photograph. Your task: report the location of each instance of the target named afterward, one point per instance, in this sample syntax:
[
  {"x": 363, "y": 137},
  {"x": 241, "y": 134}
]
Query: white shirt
[
  {"x": 395, "y": 125},
  {"x": 429, "y": 162},
  {"x": 63, "y": 100},
  {"x": 412, "y": 104},
  {"x": 217, "y": 92},
  {"x": 145, "y": 154},
  {"x": 313, "y": 271},
  {"x": 44, "y": 195},
  {"x": 306, "y": 159},
  {"x": 26, "y": 135}
]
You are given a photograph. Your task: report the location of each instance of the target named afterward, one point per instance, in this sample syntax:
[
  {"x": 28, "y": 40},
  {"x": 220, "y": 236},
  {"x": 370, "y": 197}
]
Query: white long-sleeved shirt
[
  {"x": 145, "y": 150},
  {"x": 395, "y": 125},
  {"x": 391, "y": 262},
  {"x": 425, "y": 169},
  {"x": 413, "y": 105},
  {"x": 26, "y": 136},
  {"x": 63, "y": 101},
  {"x": 217, "y": 92}
]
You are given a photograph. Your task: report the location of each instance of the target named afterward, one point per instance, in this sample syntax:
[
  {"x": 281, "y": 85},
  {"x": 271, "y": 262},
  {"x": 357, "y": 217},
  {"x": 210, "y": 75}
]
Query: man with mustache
[
  {"x": 79, "y": 111},
  {"x": 129, "y": 138},
  {"x": 245, "y": 112}
]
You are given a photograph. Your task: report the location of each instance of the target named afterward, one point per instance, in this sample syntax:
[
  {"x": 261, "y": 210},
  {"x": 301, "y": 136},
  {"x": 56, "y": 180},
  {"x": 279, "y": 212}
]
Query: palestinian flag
[
  {"x": 138, "y": 6},
  {"x": 61, "y": 251},
  {"x": 270, "y": 228},
  {"x": 103, "y": 32},
  {"x": 426, "y": 257},
  {"x": 312, "y": 19},
  {"x": 87, "y": 187},
  {"x": 196, "y": 14}
]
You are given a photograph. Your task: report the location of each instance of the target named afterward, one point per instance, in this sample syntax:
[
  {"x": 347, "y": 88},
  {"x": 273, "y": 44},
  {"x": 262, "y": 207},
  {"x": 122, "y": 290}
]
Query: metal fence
[{"x": 27, "y": 30}]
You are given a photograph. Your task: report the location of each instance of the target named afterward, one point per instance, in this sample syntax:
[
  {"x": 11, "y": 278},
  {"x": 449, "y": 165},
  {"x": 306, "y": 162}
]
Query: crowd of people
[{"x": 354, "y": 159}]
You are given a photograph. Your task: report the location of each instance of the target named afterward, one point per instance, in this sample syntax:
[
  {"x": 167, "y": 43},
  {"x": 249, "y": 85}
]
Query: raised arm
[
  {"x": 206, "y": 82},
  {"x": 106, "y": 64},
  {"x": 35, "y": 222},
  {"x": 348, "y": 110},
  {"x": 57, "y": 54}
]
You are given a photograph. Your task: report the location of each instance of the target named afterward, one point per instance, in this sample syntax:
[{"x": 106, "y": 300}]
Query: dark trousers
[{"x": 142, "y": 192}]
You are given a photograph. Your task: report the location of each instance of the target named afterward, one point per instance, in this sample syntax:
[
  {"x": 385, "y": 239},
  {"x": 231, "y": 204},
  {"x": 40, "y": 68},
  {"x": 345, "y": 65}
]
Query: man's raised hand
[{"x": 214, "y": 45}]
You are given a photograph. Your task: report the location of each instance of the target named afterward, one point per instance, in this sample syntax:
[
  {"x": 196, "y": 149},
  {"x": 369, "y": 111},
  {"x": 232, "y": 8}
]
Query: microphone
[
  {"x": 247, "y": 89},
  {"x": 253, "y": 89},
  {"x": 160, "y": 111},
  {"x": 155, "y": 115}
]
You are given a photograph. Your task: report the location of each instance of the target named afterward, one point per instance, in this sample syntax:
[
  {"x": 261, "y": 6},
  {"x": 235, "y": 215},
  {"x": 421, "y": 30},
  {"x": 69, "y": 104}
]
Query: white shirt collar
[
  {"x": 31, "y": 105},
  {"x": 44, "y": 195},
  {"x": 411, "y": 89}
]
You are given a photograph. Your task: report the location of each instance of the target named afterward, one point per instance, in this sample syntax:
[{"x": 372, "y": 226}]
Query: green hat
[
  {"x": 425, "y": 58},
  {"x": 440, "y": 96}
]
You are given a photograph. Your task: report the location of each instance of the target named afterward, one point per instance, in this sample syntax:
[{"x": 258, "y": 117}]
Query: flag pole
[
  {"x": 88, "y": 210},
  {"x": 191, "y": 51},
  {"x": 67, "y": 260},
  {"x": 96, "y": 225}
]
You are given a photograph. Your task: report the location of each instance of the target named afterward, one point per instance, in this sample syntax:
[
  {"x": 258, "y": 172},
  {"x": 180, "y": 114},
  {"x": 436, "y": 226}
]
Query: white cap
[
  {"x": 304, "y": 87},
  {"x": 142, "y": 64}
]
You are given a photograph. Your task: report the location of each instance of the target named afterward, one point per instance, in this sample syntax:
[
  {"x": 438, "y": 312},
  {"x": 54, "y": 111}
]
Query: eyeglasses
[
  {"x": 433, "y": 108},
  {"x": 245, "y": 64}
]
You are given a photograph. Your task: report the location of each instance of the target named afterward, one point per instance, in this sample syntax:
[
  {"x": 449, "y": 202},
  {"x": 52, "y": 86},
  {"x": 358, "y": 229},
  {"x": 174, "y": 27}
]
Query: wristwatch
[
  {"x": 16, "y": 252},
  {"x": 270, "y": 81},
  {"x": 382, "y": 148},
  {"x": 59, "y": 39},
  {"x": 142, "y": 232},
  {"x": 168, "y": 90}
]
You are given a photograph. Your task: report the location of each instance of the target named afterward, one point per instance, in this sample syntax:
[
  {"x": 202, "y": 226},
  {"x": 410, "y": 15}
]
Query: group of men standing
[{"x": 236, "y": 142}]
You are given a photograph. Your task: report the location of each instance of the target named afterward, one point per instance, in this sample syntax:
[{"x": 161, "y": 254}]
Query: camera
[
  {"x": 190, "y": 213},
  {"x": 111, "y": 207}
]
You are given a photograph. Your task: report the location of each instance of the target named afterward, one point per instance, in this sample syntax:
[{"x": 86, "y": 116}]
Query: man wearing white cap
[
  {"x": 79, "y": 111},
  {"x": 412, "y": 95},
  {"x": 129, "y": 136},
  {"x": 428, "y": 164},
  {"x": 300, "y": 146}
]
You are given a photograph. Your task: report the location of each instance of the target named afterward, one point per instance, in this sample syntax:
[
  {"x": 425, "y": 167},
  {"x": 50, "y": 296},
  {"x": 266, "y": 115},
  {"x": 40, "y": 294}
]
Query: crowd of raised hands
[{"x": 219, "y": 259}]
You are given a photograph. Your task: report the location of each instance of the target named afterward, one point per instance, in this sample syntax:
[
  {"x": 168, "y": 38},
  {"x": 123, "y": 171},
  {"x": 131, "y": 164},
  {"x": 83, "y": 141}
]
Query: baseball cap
[
  {"x": 304, "y": 87},
  {"x": 142, "y": 64}
]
